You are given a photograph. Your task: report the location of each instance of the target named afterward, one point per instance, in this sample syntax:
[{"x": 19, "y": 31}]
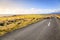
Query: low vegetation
[
  {"x": 10, "y": 23},
  {"x": 58, "y": 16}
]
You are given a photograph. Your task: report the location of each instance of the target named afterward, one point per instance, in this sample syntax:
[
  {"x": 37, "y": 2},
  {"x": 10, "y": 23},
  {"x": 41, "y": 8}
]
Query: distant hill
[
  {"x": 55, "y": 13},
  {"x": 5, "y": 15}
]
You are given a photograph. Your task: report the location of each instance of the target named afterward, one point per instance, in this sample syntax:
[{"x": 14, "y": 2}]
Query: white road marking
[{"x": 49, "y": 24}]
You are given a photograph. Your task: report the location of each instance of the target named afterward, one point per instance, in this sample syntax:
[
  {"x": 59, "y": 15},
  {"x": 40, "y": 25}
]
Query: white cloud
[{"x": 26, "y": 11}]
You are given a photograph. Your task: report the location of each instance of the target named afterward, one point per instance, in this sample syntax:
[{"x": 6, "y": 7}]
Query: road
[{"x": 48, "y": 29}]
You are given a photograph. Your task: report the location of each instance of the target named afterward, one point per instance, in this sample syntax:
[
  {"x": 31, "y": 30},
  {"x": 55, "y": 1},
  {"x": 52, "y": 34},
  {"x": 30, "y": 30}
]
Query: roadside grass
[{"x": 10, "y": 23}]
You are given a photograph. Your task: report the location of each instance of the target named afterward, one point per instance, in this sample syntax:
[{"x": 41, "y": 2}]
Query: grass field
[
  {"x": 10, "y": 23},
  {"x": 58, "y": 16}
]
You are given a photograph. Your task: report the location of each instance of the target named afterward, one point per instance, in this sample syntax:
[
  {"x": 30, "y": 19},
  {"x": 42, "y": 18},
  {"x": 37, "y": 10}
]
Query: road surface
[{"x": 48, "y": 29}]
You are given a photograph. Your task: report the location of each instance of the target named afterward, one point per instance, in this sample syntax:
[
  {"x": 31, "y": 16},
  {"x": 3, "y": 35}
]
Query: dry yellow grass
[
  {"x": 16, "y": 22},
  {"x": 57, "y": 15}
]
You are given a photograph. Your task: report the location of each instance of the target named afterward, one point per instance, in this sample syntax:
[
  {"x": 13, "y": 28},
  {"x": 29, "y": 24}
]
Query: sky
[{"x": 29, "y": 6}]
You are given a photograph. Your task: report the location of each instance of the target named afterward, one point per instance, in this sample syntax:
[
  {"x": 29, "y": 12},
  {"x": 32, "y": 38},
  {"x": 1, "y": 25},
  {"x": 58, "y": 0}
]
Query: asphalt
[{"x": 48, "y": 29}]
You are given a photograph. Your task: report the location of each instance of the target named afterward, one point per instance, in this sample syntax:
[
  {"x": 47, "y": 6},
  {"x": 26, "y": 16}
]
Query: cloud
[{"x": 26, "y": 11}]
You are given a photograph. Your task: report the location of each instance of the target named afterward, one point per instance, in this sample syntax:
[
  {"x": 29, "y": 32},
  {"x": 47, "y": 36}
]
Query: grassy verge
[{"x": 17, "y": 23}]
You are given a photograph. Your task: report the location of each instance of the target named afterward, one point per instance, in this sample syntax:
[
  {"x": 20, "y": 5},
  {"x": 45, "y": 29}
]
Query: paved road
[{"x": 47, "y": 29}]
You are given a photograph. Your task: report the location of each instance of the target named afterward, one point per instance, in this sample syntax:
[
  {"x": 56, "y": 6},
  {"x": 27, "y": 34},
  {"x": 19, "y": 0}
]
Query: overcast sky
[{"x": 29, "y": 6}]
